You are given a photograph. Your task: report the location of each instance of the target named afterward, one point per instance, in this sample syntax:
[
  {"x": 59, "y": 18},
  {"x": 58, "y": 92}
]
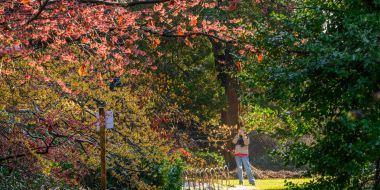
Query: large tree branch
[
  {"x": 120, "y": 4},
  {"x": 187, "y": 34},
  {"x": 45, "y": 151},
  {"x": 35, "y": 16}
]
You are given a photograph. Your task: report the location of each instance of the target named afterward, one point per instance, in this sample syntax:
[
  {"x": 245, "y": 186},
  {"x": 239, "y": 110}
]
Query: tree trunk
[
  {"x": 226, "y": 69},
  {"x": 230, "y": 116}
]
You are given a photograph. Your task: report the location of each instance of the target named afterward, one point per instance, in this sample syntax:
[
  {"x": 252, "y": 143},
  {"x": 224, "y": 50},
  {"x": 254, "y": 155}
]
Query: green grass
[{"x": 271, "y": 184}]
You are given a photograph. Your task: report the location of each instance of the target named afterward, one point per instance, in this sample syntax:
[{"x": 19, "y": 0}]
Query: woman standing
[{"x": 241, "y": 142}]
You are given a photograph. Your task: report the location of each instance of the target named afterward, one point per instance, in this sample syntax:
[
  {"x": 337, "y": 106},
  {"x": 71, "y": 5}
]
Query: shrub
[
  {"x": 163, "y": 175},
  {"x": 19, "y": 180}
]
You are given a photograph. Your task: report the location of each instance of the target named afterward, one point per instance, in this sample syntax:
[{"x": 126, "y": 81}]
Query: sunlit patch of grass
[{"x": 271, "y": 184}]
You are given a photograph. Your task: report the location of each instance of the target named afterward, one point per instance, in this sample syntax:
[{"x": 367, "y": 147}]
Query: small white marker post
[{"x": 104, "y": 120}]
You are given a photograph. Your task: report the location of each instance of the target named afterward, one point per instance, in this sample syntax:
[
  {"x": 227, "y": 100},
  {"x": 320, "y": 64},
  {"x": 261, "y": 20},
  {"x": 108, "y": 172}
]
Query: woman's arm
[
  {"x": 236, "y": 138},
  {"x": 246, "y": 139}
]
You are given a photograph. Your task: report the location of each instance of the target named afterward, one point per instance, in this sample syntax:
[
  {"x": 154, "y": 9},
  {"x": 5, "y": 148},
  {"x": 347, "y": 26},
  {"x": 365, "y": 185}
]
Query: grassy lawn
[{"x": 271, "y": 184}]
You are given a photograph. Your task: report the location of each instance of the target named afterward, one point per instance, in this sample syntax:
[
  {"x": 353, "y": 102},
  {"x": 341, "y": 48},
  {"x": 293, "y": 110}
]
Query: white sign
[{"x": 108, "y": 119}]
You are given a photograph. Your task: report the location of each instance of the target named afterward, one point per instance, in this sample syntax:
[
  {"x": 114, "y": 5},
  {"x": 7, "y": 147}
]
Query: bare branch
[{"x": 34, "y": 17}]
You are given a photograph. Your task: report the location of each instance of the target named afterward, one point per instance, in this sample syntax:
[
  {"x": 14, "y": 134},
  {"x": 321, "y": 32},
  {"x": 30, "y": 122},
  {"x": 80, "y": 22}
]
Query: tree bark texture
[{"x": 226, "y": 74}]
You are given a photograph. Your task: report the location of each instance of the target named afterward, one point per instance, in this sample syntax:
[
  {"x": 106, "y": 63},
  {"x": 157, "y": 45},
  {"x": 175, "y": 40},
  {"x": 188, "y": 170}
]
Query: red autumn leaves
[
  {"x": 180, "y": 32},
  {"x": 156, "y": 42},
  {"x": 233, "y": 5},
  {"x": 193, "y": 20}
]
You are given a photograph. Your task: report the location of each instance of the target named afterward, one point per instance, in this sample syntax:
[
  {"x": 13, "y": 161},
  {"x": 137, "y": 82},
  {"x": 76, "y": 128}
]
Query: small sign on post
[{"x": 108, "y": 120}]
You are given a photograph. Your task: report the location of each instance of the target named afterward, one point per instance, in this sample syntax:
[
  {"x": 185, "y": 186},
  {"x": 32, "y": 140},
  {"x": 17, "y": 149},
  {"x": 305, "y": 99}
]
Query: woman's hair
[{"x": 240, "y": 141}]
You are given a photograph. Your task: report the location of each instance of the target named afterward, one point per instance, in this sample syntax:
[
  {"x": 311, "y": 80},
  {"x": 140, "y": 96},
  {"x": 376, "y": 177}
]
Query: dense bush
[
  {"x": 210, "y": 159},
  {"x": 320, "y": 74},
  {"x": 164, "y": 175},
  {"x": 346, "y": 152},
  {"x": 19, "y": 180}
]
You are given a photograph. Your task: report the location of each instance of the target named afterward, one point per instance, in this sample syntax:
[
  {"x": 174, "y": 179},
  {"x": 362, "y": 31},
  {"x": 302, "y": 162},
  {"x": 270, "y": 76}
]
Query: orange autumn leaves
[
  {"x": 155, "y": 43},
  {"x": 187, "y": 42},
  {"x": 180, "y": 31},
  {"x": 82, "y": 71},
  {"x": 193, "y": 21},
  {"x": 238, "y": 65},
  {"x": 25, "y": 2},
  {"x": 260, "y": 57},
  {"x": 119, "y": 20}
]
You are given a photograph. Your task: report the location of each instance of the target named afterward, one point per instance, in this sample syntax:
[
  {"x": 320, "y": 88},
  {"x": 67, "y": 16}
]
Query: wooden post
[{"x": 102, "y": 135}]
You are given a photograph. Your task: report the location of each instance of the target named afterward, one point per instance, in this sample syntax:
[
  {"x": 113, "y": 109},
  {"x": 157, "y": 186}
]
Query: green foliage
[
  {"x": 18, "y": 180},
  {"x": 212, "y": 159},
  {"x": 320, "y": 76},
  {"x": 188, "y": 79},
  {"x": 315, "y": 184},
  {"x": 262, "y": 119},
  {"x": 173, "y": 175},
  {"x": 344, "y": 152},
  {"x": 165, "y": 175}
]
